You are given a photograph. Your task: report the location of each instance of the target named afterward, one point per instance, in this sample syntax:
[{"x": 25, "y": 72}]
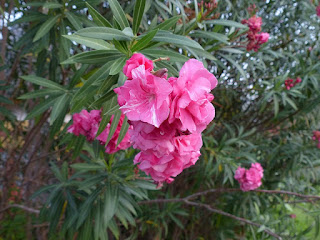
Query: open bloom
[
  {"x": 85, "y": 123},
  {"x": 249, "y": 179},
  {"x": 191, "y": 97},
  {"x": 135, "y": 61},
  {"x": 255, "y": 23},
  {"x": 145, "y": 98}
]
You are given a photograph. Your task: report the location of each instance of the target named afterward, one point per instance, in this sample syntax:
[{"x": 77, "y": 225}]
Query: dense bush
[{"x": 60, "y": 57}]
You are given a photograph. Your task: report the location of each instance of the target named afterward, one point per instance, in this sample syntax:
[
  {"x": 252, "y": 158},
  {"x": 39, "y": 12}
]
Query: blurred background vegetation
[{"x": 58, "y": 57}]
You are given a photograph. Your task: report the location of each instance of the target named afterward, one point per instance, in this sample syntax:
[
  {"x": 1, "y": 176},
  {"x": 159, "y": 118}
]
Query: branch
[
  {"x": 28, "y": 209},
  {"x": 257, "y": 190},
  {"x": 211, "y": 209},
  {"x": 186, "y": 200}
]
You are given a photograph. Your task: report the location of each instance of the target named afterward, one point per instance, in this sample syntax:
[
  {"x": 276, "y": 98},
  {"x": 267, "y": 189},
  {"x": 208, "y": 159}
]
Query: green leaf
[
  {"x": 143, "y": 42},
  {"x": 104, "y": 33},
  {"x": 46, "y": 27},
  {"x": 211, "y": 35},
  {"x": 117, "y": 65},
  {"x": 276, "y": 104},
  {"x": 97, "y": 44},
  {"x": 118, "y": 13},
  {"x": 113, "y": 126},
  {"x": 44, "y": 82},
  {"x": 35, "y": 17},
  {"x": 51, "y": 5},
  {"x": 103, "y": 72},
  {"x": 223, "y": 22},
  {"x": 41, "y": 107},
  {"x": 167, "y": 24},
  {"x": 137, "y": 14},
  {"x": 234, "y": 63},
  {"x": 61, "y": 104},
  {"x": 174, "y": 56},
  {"x": 123, "y": 130},
  {"x": 97, "y": 17},
  {"x": 94, "y": 57},
  {"x": 110, "y": 202},
  {"x": 86, "y": 166},
  {"x": 87, "y": 206},
  {"x": 168, "y": 37},
  {"x": 121, "y": 46},
  {"x": 74, "y": 20}
]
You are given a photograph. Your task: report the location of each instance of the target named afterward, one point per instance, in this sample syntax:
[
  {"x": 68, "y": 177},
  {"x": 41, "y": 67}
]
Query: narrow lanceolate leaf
[
  {"x": 234, "y": 63},
  {"x": 97, "y": 17},
  {"x": 104, "y": 33},
  {"x": 94, "y": 57},
  {"x": 60, "y": 105},
  {"x": 46, "y": 27},
  {"x": 137, "y": 14},
  {"x": 117, "y": 65},
  {"x": 118, "y": 13},
  {"x": 76, "y": 23},
  {"x": 41, "y": 107},
  {"x": 223, "y": 22},
  {"x": 123, "y": 130},
  {"x": 51, "y": 5},
  {"x": 97, "y": 44},
  {"x": 113, "y": 126},
  {"x": 174, "y": 56},
  {"x": 110, "y": 202},
  {"x": 103, "y": 72},
  {"x": 211, "y": 35},
  {"x": 168, "y": 37},
  {"x": 167, "y": 24},
  {"x": 43, "y": 82},
  {"x": 142, "y": 43}
]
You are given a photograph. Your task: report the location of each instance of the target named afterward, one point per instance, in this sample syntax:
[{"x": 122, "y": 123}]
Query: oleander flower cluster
[
  {"x": 249, "y": 179},
  {"x": 316, "y": 137},
  {"x": 167, "y": 115},
  {"x": 87, "y": 124},
  {"x": 290, "y": 83},
  {"x": 255, "y": 39}
]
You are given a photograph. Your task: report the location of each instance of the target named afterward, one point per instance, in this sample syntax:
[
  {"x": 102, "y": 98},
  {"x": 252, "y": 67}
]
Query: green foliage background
[{"x": 71, "y": 55}]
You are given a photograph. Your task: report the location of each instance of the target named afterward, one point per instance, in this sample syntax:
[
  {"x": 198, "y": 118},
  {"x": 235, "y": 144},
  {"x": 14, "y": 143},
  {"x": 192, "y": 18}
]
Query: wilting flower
[
  {"x": 254, "y": 24},
  {"x": 318, "y": 10},
  {"x": 135, "y": 61},
  {"x": 249, "y": 179},
  {"x": 145, "y": 98}
]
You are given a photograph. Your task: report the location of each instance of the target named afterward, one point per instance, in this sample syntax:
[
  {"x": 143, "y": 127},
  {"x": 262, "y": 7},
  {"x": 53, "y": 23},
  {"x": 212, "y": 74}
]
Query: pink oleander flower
[
  {"x": 145, "y": 137},
  {"x": 290, "y": 83},
  {"x": 262, "y": 38},
  {"x": 145, "y": 98},
  {"x": 85, "y": 123},
  {"x": 135, "y": 61},
  {"x": 316, "y": 137},
  {"x": 112, "y": 145},
  {"x": 191, "y": 97},
  {"x": 318, "y": 10},
  {"x": 249, "y": 179},
  {"x": 255, "y": 23},
  {"x": 164, "y": 168}
]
